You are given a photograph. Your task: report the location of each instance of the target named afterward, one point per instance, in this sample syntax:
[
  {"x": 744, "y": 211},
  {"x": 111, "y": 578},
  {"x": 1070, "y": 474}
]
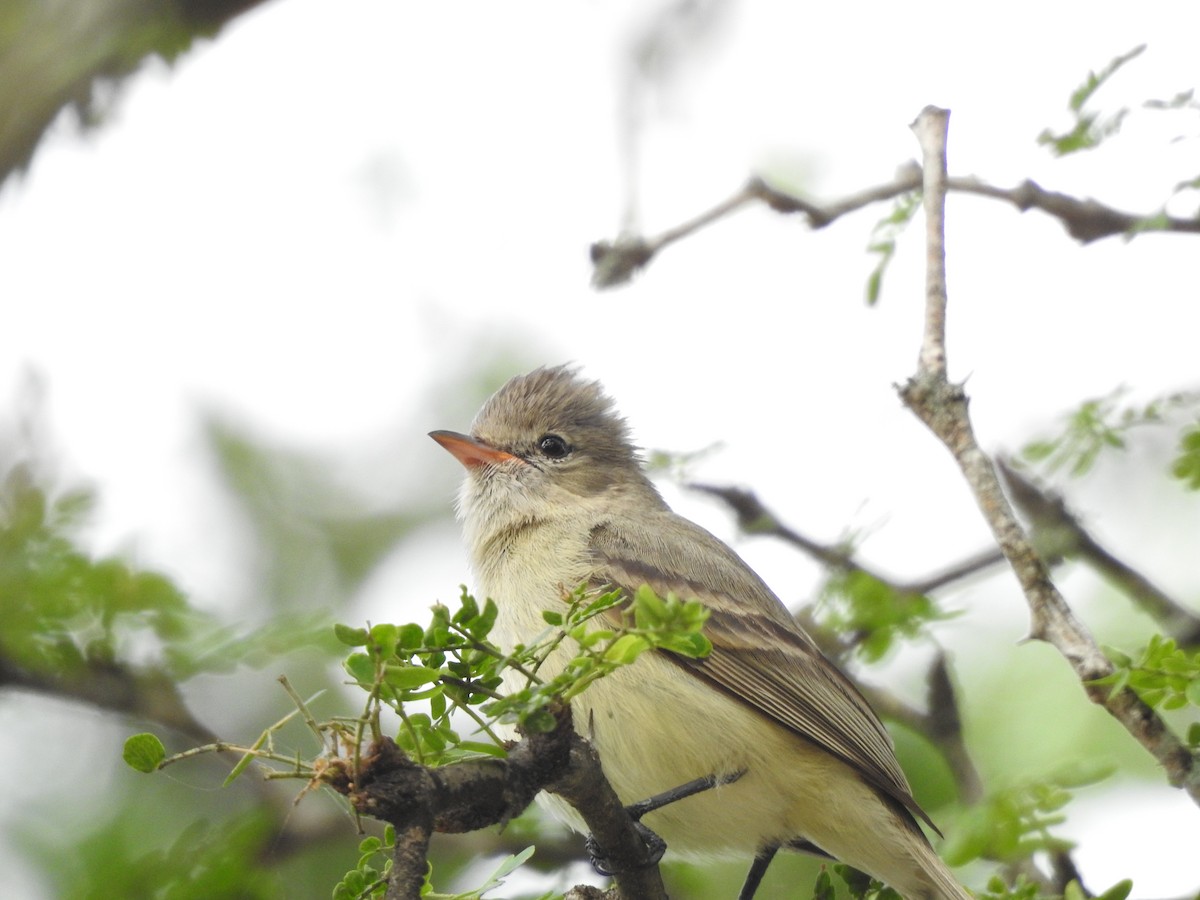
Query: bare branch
[
  {"x": 967, "y": 568},
  {"x": 586, "y": 788},
  {"x": 1055, "y": 531},
  {"x": 616, "y": 262},
  {"x": 149, "y": 694},
  {"x": 942, "y": 406},
  {"x": 931, "y": 128},
  {"x": 1085, "y": 220}
]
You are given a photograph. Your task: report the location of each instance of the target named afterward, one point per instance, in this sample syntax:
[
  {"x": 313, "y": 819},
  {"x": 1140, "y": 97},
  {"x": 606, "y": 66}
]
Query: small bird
[{"x": 555, "y": 497}]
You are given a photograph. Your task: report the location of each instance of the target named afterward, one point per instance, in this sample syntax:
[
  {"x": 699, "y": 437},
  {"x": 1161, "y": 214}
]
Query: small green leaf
[
  {"x": 408, "y": 677},
  {"x": 410, "y": 637},
  {"x": 1193, "y": 691},
  {"x": 353, "y": 637},
  {"x": 144, "y": 752},
  {"x": 385, "y": 638},
  {"x": 552, "y": 618},
  {"x": 1118, "y": 891},
  {"x": 360, "y": 667},
  {"x": 625, "y": 649}
]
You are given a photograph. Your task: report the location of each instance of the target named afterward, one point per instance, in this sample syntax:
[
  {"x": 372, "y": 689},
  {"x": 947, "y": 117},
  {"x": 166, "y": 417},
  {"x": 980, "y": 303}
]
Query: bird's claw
[{"x": 655, "y": 848}]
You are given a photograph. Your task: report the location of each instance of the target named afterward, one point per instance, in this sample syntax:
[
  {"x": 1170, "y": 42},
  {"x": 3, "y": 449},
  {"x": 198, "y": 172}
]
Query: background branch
[
  {"x": 616, "y": 262},
  {"x": 754, "y": 517},
  {"x": 1056, "y": 532}
]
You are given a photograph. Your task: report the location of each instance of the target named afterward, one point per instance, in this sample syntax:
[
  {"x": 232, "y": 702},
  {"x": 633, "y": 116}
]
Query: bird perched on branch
[{"x": 555, "y": 497}]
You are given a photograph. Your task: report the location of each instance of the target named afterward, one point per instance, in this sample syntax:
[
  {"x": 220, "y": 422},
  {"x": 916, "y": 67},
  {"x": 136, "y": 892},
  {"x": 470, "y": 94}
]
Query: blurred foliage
[
  {"x": 101, "y": 624},
  {"x": 858, "y": 885},
  {"x": 1014, "y": 823},
  {"x": 1163, "y": 674},
  {"x": 226, "y": 859},
  {"x": 101, "y": 631},
  {"x": 872, "y": 615},
  {"x": 1187, "y": 464},
  {"x": 1103, "y": 423},
  {"x": 63, "y": 55},
  {"x": 884, "y": 235},
  {"x": 320, "y": 538},
  {"x": 369, "y": 878},
  {"x": 1023, "y": 889},
  {"x": 1089, "y": 128}
]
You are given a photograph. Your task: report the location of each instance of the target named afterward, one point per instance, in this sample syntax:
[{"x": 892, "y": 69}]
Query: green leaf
[
  {"x": 410, "y": 637},
  {"x": 144, "y": 752},
  {"x": 1193, "y": 691},
  {"x": 353, "y": 637},
  {"x": 1186, "y": 466},
  {"x": 408, "y": 677},
  {"x": 1118, "y": 891},
  {"x": 693, "y": 646},
  {"x": 626, "y": 649},
  {"x": 361, "y": 668},
  {"x": 384, "y": 639},
  {"x": 884, "y": 237}
]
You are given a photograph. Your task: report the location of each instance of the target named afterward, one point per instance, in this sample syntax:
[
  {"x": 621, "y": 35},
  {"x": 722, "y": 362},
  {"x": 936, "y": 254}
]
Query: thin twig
[{"x": 942, "y": 406}]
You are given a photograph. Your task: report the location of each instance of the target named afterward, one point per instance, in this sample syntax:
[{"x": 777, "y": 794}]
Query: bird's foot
[{"x": 655, "y": 848}]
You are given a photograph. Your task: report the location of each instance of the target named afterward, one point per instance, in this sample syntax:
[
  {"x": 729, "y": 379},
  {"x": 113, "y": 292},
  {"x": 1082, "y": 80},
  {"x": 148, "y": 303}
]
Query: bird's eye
[{"x": 553, "y": 446}]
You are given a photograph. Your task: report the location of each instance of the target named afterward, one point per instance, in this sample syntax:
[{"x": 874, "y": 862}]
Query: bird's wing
[{"x": 760, "y": 655}]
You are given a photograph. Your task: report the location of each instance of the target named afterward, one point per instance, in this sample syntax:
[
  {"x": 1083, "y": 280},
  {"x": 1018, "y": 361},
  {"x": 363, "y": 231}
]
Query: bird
[{"x": 555, "y": 496}]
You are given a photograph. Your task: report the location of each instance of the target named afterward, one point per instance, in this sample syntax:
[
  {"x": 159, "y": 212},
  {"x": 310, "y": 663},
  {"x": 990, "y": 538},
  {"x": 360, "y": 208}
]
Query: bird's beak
[{"x": 470, "y": 452}]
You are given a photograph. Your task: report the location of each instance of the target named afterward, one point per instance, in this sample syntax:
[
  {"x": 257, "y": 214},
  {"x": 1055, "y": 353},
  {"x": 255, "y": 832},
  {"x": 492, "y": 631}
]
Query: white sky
[{"x": 331, "y": 208}]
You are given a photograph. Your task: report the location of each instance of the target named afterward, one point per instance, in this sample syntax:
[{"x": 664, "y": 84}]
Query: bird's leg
[
  {"x": 687, "y": 789},
  {"x": 758, "y": 869},
  {"x": 654, "y": 844}
]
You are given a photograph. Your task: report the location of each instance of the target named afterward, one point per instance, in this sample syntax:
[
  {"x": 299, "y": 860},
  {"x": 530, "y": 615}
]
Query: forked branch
[{"x": 942, "y": 406}]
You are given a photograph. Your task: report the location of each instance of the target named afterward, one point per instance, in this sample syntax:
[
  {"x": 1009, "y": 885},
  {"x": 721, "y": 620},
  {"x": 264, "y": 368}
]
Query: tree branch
[
  {"x": 474, "y": 794},
  {"x": 616, "y": 262},
  {"x": 149, "y": 694},
  {"x": 942, "y": 406},
  {"x": 1056, "y": 532}
]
